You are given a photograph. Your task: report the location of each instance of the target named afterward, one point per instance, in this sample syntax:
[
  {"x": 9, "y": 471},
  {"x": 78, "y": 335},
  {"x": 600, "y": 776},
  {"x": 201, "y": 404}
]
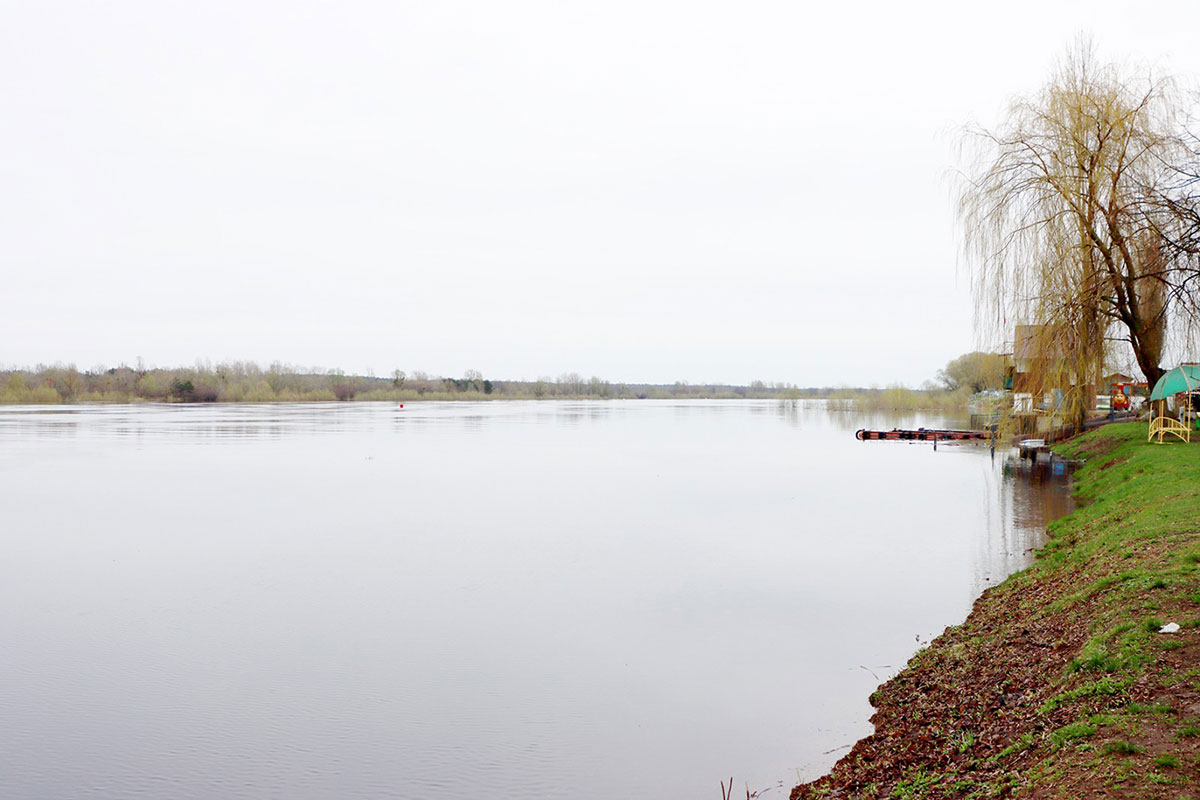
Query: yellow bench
[{"x": 1163, "y": 426}]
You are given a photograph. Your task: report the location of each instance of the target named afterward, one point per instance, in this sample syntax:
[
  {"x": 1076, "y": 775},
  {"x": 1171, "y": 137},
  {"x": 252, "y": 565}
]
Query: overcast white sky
[{"x": 645, "y": 191}]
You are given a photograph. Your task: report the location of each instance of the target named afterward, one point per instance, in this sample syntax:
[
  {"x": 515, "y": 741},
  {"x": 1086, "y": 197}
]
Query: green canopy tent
[{"x": 1184, "y": 378}]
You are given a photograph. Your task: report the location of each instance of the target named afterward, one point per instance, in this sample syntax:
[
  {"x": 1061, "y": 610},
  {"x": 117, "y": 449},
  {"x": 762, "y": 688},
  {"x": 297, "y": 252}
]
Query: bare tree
[
  {"x": 1066, "y": 226},
  {"x": 571, "y": 383},
  {"x": 1181, "y": 238}
]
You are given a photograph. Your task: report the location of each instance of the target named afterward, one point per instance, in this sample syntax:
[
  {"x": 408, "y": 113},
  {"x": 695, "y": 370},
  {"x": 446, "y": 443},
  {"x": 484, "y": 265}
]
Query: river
[{"x": 632, "y": 599}]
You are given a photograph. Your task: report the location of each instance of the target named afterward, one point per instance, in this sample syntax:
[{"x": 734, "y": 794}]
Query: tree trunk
[
  {"x": 1147, "y": 343},
  {"x": 1147, "y": 349},
  {"x": 1150, "y": 369}
]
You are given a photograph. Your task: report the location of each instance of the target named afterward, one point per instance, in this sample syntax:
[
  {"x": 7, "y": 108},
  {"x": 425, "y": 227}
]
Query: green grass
[
  {"x": 1075, "y": 730},
  {"x": 1121, "y": 747},
  {"x": 915, "y": 785},
  {"x": 1106, "y": 687},
  {"x": 1021, "y": 744}
]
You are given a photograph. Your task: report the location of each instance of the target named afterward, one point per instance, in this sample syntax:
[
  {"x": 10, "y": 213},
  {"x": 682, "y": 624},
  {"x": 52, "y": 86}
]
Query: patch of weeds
[
  {"x": 1102, "y": 687},
  {"x": 965, "y": 741},
  {"x": 1002, "y": 786},
  {"x": 1188, "y": 732},
  {"x": 1075, "y": 730},
  {"x": 1132, "y": 646},
  {"x": 1152, "y": 625},
  {"x": 1154, "y": 777},
  {"x": 961, "y": 787},
  {"x": 1018, "y": 745},
  {"x": 914, "y": 785},
  {"x": 1096, "y": 659},
  {"x": 1111, "y": 580},
  {"x": 1096, "y": 587},
  {"x": 1121, "y": 648},
  {"x": 1167, "y": 760},
  {"x": 1121, "y": 773},
  {"x": 1121, "y": 747}
]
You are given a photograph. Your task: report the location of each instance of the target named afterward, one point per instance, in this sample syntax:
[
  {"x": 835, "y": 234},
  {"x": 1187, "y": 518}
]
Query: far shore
[{"x": 248, "y": 383}]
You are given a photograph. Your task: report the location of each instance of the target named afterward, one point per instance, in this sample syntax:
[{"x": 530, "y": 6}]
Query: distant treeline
[{"x": 243, "y": 382}]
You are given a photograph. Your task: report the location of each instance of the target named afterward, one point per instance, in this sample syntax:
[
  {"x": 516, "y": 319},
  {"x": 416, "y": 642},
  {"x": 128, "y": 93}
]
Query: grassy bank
[{"x": 1059, "y": 684}]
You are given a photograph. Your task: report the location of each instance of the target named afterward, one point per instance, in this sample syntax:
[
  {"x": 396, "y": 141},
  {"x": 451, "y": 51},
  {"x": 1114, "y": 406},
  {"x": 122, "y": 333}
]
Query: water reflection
[
  {"x": 519, "y": 599},
  {"x": 1041, "y": 490},
  {"x": 1022, "y": 499},
  {"x": 185, "y": 420}
]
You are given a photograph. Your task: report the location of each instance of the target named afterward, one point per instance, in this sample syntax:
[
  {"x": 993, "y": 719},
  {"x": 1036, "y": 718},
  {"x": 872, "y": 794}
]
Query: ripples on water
[{"x": 622, "y": 599}]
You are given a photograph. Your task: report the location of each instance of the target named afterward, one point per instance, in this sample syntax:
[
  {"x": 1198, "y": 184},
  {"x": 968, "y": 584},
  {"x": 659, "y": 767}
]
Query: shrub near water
[
  {"x": 15, "y": 392},
  {"x": 898, "y": 398}
]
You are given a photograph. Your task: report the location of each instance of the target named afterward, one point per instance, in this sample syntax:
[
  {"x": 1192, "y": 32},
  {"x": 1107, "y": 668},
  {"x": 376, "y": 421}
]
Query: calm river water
[{"x": 528, "y": 600}]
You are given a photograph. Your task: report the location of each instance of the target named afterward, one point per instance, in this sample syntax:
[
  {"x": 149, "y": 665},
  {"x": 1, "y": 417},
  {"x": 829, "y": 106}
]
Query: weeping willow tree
[{"x": 1066, "y": 227}]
